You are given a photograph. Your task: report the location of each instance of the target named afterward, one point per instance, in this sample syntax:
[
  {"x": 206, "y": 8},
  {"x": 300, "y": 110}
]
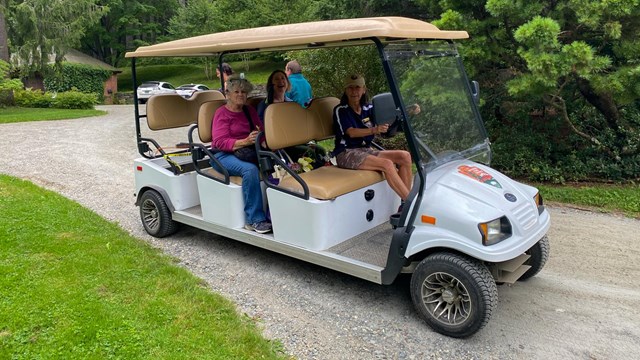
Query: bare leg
[
  {"x": 387, "y": 166},
  {"x": 403, "y": 160}
]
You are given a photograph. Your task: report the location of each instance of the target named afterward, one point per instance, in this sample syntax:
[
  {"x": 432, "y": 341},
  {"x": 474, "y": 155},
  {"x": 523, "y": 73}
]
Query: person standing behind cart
[
  {"x": 277, "y": 85},
  {"x": 300, "y": 88},
  {"x": 232, "y": 130},
  {"x": 226, "y": 72},
  {"x": 355, "y": 131}
]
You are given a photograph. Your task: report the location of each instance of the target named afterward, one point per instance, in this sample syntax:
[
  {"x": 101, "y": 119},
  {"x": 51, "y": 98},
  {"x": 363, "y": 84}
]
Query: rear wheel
[
  {"x": 539, "y": 256},
  {"x": 155, "y": 215},
  {"x": 454, "y": 294}
]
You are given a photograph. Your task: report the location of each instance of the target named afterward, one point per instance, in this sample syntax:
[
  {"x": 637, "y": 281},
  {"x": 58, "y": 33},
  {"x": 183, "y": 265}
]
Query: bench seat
[
  {"x": 233, "y": 179},
  {"x": 288, "y": 124},
  {"x": 340, "y": 203},
  {"x": 329, "y": 182}
]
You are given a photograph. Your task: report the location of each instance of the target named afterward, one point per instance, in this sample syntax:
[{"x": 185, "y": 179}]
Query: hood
[{"x": 482, "y": 192}]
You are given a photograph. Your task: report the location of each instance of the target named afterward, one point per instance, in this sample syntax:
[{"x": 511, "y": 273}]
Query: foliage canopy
[{"x": 560, "y": 79}]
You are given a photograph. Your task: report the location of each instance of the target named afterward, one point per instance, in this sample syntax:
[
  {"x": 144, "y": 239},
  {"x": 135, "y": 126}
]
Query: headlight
[
  {"x": 495, "y": 231},
  {"x": 539, "y": 202}
]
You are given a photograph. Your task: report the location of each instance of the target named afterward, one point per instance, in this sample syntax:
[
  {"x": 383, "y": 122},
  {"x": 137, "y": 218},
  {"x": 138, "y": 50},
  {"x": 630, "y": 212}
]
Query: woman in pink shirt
[{"x": 235, "y": 126}]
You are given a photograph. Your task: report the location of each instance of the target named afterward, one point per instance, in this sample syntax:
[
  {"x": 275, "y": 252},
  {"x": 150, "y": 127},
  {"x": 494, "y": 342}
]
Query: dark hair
[
  {"x": 226, "y": 69},
  {"x": 270, "y": 84},
  {"x": 364, "y": 99}
]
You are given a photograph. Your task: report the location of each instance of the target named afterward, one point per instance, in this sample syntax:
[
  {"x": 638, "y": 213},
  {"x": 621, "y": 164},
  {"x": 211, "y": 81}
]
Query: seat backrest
[
  {"x": 287, "y": 124},
  {"x": 168, "y": 111},
  {"x": 255, "y": 100},
  {"x": 322, "y": 111},
  {"x": 200, "y": 97},
  {"x": 205, "y": 118}
]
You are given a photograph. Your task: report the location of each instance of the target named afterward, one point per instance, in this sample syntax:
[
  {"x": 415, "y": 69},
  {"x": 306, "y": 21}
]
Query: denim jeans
[{"x": 251, "y": 191}]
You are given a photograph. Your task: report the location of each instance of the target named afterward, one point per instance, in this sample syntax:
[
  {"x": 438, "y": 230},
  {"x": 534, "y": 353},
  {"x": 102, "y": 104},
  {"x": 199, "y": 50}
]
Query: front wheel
[
  {"x": 155, "y": 215},
  {"x": 539, "y": 256},
  {"x": 454, "y": 294}
]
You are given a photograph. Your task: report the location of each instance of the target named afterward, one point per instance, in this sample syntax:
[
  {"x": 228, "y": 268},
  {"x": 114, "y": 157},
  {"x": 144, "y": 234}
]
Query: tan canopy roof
[{"x": 296, "y": 36}]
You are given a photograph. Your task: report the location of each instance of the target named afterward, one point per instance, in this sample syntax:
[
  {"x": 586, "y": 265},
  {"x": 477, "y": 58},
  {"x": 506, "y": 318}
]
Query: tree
[
  {"x": 4, "y": 36},
  {"x": 127, "y": 25},
  {"x": 198, "y": 17},
  {"x": 41, "y": 28},
  {"x": 568, "y": 67}
]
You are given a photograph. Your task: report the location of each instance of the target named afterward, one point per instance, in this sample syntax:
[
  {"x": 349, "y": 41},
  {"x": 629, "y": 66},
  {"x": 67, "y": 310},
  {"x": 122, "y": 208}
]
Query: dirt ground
[{"x": 585, "y": 304}]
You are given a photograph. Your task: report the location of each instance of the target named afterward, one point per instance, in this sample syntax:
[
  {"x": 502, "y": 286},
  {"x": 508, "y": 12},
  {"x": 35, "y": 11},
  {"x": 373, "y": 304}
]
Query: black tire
[
  {"x": 155, "y": 215},
  {"x": 539, "y": 256},
  {"x": 454, "y": 294}
]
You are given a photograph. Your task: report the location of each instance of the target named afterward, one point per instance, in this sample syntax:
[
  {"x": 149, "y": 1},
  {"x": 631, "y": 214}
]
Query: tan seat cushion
[
  {"x": 329, "y": 182},
  {"x": 205, "y": 118},
  {"x": 234, "y": 179},
  {"x": 255, "y": 100},
  {"x": 168, "y": 111},
  {"x": 288, "y": 124},
  {"x": 322, "y": 113}
]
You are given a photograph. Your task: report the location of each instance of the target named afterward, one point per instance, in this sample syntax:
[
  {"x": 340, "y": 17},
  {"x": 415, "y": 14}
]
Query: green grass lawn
[
  {"x": 601, "y": 197},
  {"x": 257, "y": 71},
  {"x": 18, "y": 114},
  {"x": 74, "y": 286}
]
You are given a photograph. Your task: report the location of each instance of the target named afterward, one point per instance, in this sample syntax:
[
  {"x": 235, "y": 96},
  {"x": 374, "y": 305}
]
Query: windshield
[{"x": 447, "y": 125}]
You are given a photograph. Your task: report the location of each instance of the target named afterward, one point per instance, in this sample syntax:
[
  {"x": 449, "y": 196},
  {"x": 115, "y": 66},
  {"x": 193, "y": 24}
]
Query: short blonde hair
[{"x": 236, "y": 83}]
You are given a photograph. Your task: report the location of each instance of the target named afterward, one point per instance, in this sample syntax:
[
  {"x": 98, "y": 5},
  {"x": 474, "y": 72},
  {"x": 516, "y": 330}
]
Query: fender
[
  {"x": 162, "y": 193},
  {"x": 423, "y": 238}
]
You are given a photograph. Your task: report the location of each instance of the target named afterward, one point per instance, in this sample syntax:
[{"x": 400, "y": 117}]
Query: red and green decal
[{"x": 476, "y": 173}]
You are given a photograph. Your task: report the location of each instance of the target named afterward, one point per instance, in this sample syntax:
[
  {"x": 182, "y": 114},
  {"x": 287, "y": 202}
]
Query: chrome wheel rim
[
  {"x": 447, "y": 300},
  {"x": 150, "y": 215}
]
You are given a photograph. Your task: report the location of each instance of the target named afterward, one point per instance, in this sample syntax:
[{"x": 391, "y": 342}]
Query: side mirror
[
  {"x": 384, "y": 109},
  {"x": 475, "y": 92},
  {"x": 385, "y": 112}
]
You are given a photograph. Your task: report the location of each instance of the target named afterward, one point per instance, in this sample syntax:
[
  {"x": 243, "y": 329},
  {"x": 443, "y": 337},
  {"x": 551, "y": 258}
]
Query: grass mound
[{"x": 74, "y": 286}]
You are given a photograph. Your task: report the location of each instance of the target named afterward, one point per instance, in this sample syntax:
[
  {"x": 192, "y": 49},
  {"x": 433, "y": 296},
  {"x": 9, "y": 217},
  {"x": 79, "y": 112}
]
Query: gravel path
[{"x": 584, "y": 304}]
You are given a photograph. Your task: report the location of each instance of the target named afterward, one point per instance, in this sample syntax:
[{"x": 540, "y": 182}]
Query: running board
[{"x": 369, "y": 272}]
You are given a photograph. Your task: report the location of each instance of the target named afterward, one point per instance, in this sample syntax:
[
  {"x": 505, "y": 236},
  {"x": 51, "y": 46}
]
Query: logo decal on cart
[{"x": 476, "y": 173}]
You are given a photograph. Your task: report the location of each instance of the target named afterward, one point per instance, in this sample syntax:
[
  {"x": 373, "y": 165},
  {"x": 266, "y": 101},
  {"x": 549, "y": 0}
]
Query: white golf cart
[{"x": 464, "y": 228}]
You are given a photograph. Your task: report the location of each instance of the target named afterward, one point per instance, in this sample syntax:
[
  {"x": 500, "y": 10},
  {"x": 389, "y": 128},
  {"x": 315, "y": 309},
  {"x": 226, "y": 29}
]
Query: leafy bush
[
  {"x": 83, "y": 78},
  {"x": 74, "y": 100},
  {"x": 326, "y": 69},
  {"x": 10, "y": 84},
  {"x": 7, "y": 86},
  {"x": 64, "y": 100},
  {"x": 544, "y": 149},
  {"x": 32, "y": 98}
]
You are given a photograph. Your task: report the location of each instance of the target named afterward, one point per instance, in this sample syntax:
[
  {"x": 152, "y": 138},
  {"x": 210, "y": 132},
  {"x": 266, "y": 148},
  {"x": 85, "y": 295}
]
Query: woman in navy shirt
[{"x": 355, "y": 130}]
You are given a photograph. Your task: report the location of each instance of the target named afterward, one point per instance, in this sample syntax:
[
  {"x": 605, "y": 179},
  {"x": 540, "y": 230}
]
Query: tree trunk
[
  {"x": 608, "y": 108},
  {"x": 604, "y": 103},
  {"x": 4, "y": 39}
]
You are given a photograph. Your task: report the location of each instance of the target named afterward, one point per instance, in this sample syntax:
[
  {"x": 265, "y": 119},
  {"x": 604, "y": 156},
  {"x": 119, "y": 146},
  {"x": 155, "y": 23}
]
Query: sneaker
[
  {"x": 401, "y": 206},
  {"x": 261, "y": 227}
]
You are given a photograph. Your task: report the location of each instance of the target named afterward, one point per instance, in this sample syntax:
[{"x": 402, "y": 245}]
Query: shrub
[
  {"x": 32, "y": 98},
  {"x": 83, "y": 78},
  {"x": 7, "y": 86},
  {"x": 10, "y": 84},
  {"x": 74, "y": 100}
]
